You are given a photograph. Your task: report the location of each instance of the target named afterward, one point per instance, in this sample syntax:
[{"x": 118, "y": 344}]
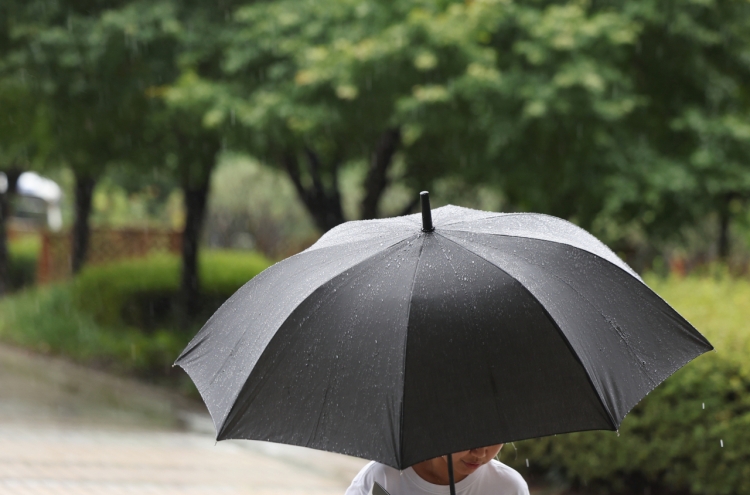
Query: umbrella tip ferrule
[{"x": 426, "y": 212}]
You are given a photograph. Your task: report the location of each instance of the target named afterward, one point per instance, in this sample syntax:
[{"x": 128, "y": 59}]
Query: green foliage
[
  {"x": 24, "y": 254},
  {"x": 223, "y": 272},
  {"x": 104, "y": 291},
  {"x": 626, "y": 117},
  {"x": 45, "y": 320},
  {"x": 673, "y": 439},
  {"x": 629, "y": 118},
  {"x": 127, "y": 291},
  {"x": 84, "y": 79},
  {"x": 116, "y": 205},
  {"x": 23, "y": 130},
  {"x": 87, "y": 319}
]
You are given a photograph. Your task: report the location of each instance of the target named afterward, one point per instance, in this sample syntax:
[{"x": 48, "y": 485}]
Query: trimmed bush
[
  {"x": 88, "y": 319},
  {"x": 23, "y": 257},
  {"x": 143, "y": 292},
  {"x": 692, "y": 434}
]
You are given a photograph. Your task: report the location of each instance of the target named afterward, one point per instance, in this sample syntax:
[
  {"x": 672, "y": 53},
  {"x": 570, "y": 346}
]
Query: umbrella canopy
[{"x": 395, "y": 341}]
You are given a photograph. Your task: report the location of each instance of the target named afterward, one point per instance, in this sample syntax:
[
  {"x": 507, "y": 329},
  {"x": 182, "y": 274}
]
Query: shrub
[
  {"x": 46, "y": 320},
  {"x": 223, "y": 272},
  {"x": 692, "y": 434},
  {"x": 24, "y": 254},
  {"x": 143, "y": 292},
  {"x": 83, "y": 319},
  {"x": 104, "y": 291}
]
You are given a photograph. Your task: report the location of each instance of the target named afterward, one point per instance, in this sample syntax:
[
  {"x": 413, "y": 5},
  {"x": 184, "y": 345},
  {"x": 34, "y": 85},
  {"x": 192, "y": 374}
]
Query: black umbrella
[{"x": 395, "y": 341}]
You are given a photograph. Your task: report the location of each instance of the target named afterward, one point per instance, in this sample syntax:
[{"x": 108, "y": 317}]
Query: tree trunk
[
  {"x": 195, "y": 209},
  {"x": 84, "y": 191},
  {"x": 377, "y": 175},
  {"x": 324, "y": 205},
  {"x": 5, "y": 212}
]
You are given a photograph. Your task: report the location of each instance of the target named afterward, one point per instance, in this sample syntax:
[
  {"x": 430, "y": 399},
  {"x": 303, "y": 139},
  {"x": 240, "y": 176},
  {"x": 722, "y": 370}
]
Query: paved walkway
[{"x": 67, "y": 430}]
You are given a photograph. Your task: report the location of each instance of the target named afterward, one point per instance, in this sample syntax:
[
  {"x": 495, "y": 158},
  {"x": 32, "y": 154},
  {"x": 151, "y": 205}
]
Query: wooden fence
[{"x": 105, "y": 245}]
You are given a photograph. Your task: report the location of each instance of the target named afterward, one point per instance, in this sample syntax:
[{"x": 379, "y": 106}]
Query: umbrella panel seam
[
  {"x": 614, "y": 327},
  {"x": 654, "y": 382},
  {"x": 406, "y": 340},
  {"x": 587, "y": 252},
  {"x": 268, "y": 345},
  {"x": 554, "y": 324},
  {"x": 637, "y": 277}
]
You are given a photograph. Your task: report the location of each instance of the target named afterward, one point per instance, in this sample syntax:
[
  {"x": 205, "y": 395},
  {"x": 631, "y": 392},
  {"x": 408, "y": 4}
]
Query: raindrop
[
  {"x": 704, "y": 405},
  {"x": 527, "y": 463},
  {"x": 721, "y": 442}
]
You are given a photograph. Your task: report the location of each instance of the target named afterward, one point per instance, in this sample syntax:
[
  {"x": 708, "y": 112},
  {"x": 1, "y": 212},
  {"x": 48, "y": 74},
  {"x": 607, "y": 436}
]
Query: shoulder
[
  {"x": 371, "y": 472},
  {"x": 511, "y": 480}
]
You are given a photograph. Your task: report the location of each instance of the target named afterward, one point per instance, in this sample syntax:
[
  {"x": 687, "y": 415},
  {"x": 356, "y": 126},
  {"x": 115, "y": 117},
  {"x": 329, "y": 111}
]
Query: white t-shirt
[{"x": 494, "y": 478}]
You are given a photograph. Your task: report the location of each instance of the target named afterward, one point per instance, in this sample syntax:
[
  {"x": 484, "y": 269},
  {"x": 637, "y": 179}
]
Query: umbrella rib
[
  {"x": 636, "y": 276},
  {"x": 497, "y": 215},
  {"x": 554, "y": 323},
  {"x": 493, "y": 382},
  {"x": 632, "y": 352},
  {"x": 498, "y": 234},
  {"x": 406, "y": 340},
  {"x": 312, "y": 435},
  {"x": 220, "y": 429},
  {"x": 340, "y": 230}
]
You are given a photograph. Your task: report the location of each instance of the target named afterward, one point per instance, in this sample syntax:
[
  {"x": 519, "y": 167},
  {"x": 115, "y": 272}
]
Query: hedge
[
  {"x": 690, "y": 435},
  {"x": 143, "y": 292},
  {"x": 87, "y": 319},
  {"x": 22, "y": 261}
]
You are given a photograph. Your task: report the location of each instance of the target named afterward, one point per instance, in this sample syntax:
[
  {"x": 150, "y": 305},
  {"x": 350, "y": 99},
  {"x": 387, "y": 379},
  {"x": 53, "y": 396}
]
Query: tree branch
[{"x": 323, "y": 206}]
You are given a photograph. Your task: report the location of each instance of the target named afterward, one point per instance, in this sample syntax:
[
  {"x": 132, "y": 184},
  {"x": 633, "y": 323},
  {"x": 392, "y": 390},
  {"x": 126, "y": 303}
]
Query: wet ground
[{"x": 68, "y": 430}]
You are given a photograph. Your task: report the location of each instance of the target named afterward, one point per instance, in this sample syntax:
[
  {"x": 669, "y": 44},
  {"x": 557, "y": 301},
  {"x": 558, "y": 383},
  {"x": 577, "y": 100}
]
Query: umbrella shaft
[
  {"x": 450, "y": 474},
  {"x": 426, "y": 212}
]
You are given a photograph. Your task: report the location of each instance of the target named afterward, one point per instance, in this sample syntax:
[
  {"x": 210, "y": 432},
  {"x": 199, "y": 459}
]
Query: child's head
[
  {"x": 468, "y": 461},
  {"x": 464, "y": 463}
]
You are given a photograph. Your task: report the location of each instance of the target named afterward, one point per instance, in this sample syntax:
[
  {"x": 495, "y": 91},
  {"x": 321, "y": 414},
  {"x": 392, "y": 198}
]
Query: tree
[
  {"x": 88, "y": 84},
  {"x": 22, "y": 130},
  {"x": 307, "y": 125},
  {"x": 177, "y": 38},
  {"x": 690, "y": 64},
  {"x": 489, "y": 91},
  {"x": 611, "y": 114},
  {"x": 17, "y": 127}
]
